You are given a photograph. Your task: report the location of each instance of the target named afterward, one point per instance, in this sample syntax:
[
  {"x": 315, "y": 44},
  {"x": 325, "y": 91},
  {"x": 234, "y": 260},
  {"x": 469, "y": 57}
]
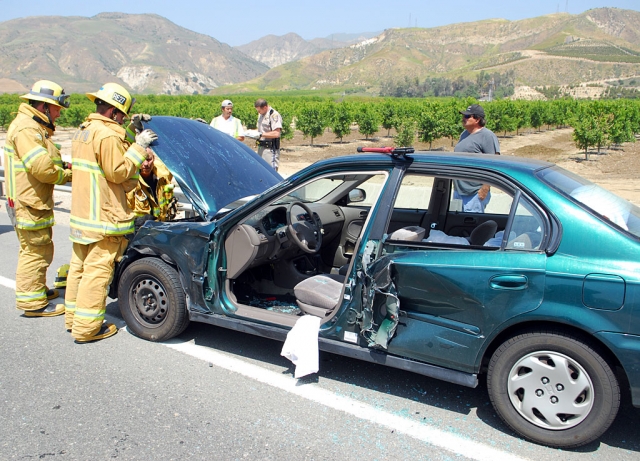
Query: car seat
[{"x": 483, "y": 232}]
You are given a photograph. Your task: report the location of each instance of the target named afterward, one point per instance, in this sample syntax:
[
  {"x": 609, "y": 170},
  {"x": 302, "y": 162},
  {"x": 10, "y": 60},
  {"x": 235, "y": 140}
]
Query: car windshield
[{"x": 602, "y": 202}]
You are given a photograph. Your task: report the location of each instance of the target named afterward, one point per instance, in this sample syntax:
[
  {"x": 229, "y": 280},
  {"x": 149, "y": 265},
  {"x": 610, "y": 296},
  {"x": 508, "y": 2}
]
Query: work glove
[
  {"x": 145, "y": 138},
  {"x": 137, "y": 119}
]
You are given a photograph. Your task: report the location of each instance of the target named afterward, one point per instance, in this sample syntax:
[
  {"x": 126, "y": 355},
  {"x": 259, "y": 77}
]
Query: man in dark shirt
[{"x": 475, "y": 138}]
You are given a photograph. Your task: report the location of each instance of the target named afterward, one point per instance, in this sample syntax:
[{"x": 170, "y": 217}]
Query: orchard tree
[
  {"x": 406, "y": 134},
  {"x": 502, "y": 116},
  {"x": 367, "y": 120},
  {"x": 341, "y": 121},
  {"x": 522, "y": 115},
  {"x": 591, "y": 127},
  {"x": 5, "y": 116},
  {"x": 621, "y": 129},
  {"x": 452, "y": 119},
  {"x": 430, "y": 122},
  {"x": 73, "y": 116},
  {"x": 537, "y": 114},
  {"x": 388, "y": 115},
  {"x": 311, "y": 121}
]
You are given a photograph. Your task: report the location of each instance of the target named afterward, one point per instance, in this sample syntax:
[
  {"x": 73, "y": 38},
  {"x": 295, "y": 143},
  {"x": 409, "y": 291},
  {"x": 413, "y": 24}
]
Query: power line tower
[{"x": 566, "y": 6}]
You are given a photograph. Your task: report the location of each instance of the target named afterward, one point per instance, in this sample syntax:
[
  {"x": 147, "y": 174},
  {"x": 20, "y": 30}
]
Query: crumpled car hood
[{"x": 211, "y": 168}]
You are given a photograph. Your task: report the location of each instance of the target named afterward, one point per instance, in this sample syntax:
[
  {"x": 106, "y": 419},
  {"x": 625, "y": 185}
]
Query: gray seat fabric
[
  {"x": 483, "y": 232},
  {"x": 411, "y": 233},
  {"x": 521, "y": 242},
  {"x": 318, "y": 295}
]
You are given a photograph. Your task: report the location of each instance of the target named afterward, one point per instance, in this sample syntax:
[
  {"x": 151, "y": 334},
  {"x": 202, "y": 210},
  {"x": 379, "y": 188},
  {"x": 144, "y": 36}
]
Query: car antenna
[{"x": 395, "y": 151}]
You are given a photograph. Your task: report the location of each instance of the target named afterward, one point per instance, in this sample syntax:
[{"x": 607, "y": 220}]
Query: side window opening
[
  {"x": 410, "y": 229},
  {"x": 410, "y": 216},
  {"x": 371, "y": 188}
]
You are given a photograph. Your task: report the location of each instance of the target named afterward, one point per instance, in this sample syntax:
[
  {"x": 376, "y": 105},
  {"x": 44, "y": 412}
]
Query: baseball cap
[
  {"x": 227, "y": 103},
  {"x": 474, "y": 109}
]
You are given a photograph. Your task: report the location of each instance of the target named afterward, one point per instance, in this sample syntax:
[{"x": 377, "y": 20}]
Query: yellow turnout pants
[
  {"x": 90, "y": 273},
  {"x": 34, "y": 258}
]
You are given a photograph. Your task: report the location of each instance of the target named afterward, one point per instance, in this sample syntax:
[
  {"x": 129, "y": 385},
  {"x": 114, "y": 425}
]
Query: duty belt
[{"x": 265, "y": 143}]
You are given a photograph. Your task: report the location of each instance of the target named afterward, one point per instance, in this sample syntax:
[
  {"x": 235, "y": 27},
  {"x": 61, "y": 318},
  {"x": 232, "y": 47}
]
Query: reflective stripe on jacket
[
  {"x": 32, "y": 167},
  {"x": 105, "y": 167}
]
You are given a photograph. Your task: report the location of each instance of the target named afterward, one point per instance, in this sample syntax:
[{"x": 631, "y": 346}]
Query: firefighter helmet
[
  {"x": 115, "y": 95},
  {"x": 49, "y": 92}
]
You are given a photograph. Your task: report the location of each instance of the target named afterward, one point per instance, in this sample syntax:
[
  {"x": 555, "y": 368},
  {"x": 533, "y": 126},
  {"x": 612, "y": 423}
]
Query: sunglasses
[
  {"x": 63, "y": 99},
  {"x": 467, "y": 116}
]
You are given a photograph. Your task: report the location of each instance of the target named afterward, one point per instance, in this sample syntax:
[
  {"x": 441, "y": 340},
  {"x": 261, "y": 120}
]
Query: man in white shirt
[{"x": 227, "y": 123}]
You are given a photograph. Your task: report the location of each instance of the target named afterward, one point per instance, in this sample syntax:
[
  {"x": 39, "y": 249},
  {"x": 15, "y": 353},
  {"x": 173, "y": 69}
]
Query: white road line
[
  {"x": 5, "y": 282},
  {"x": 423, "y": 432},
  {"x": 431, "y": 435}
]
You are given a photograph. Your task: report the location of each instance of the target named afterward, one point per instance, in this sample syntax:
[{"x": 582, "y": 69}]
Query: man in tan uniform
[
  {"x": 270, "y": 128},
  {"x": 106, "y": 167},
  {"x": 33, "y": 166}
]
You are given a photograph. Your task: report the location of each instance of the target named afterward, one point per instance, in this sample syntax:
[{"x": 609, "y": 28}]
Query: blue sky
[{"x": 237, "y": 23}]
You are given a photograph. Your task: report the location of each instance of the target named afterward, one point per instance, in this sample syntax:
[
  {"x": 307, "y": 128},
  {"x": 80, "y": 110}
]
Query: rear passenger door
[{"x": 454, "y": 295}]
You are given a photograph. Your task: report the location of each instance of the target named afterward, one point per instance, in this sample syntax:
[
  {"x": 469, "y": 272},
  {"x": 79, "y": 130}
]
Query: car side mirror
[{"x": 357, "y": 195}]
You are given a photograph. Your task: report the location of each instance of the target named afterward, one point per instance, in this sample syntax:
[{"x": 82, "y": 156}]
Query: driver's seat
[{"x": 318, "y": 295}]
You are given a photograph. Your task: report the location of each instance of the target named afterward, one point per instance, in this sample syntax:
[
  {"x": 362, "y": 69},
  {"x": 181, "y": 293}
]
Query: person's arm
[
  {"x": 275, "y": 125},
  {"x": 36, "y": 158},
  {"x": 272, "y": 134},
  {"x": 239, "y": 130},
  {"x": 119, "y": 163},
  {"x": 484, "y": 191}
]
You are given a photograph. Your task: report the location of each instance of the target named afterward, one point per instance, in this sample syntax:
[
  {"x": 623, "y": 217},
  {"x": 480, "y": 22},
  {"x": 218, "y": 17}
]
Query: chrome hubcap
[{"x": 551, "y": 390}]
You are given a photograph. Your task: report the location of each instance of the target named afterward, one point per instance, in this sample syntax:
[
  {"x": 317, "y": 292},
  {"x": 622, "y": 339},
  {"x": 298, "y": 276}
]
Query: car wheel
[
  {"x": 553, "y": 389},
  {"x": 152, "y": 300}
]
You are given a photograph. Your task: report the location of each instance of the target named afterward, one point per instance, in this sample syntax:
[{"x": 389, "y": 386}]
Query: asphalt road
[{"x": 218, "y": 394}]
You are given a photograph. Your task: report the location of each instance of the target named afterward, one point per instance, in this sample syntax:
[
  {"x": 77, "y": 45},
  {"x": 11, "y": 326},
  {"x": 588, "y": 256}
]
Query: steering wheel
[{"x": 306, "y": 234}]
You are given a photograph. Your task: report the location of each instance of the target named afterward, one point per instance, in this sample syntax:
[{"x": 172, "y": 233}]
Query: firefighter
[
  {"x": 106, "y": 167},
  {"x": 33, "y": 166},
  {"x": 153, "y": 196}
]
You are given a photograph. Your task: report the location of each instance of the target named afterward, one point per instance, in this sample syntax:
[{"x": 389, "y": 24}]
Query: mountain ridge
[
  {"x": 274, "y": 50},
  {"x": 146, "y": 53},
  {"x": 537, "y": 49},
  {"x": 150, "y": 54}
]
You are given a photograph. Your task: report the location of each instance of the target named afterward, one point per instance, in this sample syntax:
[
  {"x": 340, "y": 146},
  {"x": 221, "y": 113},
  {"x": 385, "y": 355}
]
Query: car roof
[{"x": 439, "y": 158}]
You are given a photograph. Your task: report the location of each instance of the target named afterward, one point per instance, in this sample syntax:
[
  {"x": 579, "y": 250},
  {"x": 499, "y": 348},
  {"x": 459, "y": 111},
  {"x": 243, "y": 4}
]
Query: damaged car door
[{"x": 453, "y": 296}]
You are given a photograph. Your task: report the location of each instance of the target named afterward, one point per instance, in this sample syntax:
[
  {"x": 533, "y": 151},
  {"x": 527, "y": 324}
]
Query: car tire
[
  {"x": 553, "y": 389},
  {"x": 152, "y": 300}
]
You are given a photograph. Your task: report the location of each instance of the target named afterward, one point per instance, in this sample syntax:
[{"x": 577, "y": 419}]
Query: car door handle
[
  {"x": 363, "y": 214},
  {"x": 509, "y": 282}
]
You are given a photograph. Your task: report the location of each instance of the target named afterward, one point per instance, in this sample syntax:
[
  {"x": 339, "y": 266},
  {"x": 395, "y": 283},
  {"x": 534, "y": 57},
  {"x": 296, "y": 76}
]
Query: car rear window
[{"x": 602, "y": 202}]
